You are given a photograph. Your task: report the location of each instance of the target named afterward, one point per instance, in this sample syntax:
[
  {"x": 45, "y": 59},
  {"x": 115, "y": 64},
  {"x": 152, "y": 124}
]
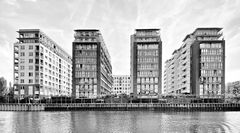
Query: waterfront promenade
[{"x": 121, "y": 107}]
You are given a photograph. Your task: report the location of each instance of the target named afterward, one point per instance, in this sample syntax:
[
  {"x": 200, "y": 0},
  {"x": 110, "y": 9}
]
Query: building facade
[
  {"x": 121, "y": 85},
  {"x": 198, "y": 66},
  {"x": 41, "y": 67},
  {"x": 146, "y": 63},
  {"x": 177, "y": 70},
  {"x": 92, "y": 69}
]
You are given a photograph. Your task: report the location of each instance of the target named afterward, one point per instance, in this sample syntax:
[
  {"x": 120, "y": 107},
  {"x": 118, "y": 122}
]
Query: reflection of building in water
[
  {"x": 198, "y": 66},
  {"x": 57, "y": 122},
  {"x": 146, "y": 63},
  {"x": 119, "y": 121},
  {"x": 207, "y": 122},
  {"x": 26, "y": 122}
]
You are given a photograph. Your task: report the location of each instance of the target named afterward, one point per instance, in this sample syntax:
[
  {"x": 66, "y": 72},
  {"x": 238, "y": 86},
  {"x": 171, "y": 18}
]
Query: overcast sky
[{"x": 117, "y": 20}]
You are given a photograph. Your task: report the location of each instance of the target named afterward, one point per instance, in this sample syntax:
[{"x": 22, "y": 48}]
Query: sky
[{"x": 117, "y": 20}]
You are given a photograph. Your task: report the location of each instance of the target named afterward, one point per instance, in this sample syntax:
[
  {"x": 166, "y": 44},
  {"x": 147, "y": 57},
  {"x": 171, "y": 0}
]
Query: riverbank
[{"x": 121, "y": 107}]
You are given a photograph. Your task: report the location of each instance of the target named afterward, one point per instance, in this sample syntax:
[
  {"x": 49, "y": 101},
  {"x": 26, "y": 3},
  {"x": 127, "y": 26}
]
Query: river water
[{"x": 119, "y": 122}]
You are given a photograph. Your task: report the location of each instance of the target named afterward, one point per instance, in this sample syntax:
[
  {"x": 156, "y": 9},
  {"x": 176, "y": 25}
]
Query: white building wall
[
  {"x": 177, "y": 71},
  {"x": 53, "y": 77}
]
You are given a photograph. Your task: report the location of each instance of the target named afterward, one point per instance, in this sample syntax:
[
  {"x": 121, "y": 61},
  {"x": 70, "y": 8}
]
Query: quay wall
[
  {"x": 121, "y": 107},
  {"x": 143, "y": 106},
  {"x": 22, "y": 107}
]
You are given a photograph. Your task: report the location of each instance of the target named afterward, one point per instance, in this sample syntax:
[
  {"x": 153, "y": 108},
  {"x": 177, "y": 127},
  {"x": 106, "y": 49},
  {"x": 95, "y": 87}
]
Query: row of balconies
[
  {"x": 147, "y": 33},
  {"x": 86, "y": 40},
  {"x": 147, "y": 39},
  {"x": 86, "y": 34}
]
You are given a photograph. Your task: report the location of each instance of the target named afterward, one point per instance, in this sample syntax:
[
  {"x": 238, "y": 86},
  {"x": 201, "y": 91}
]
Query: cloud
[
  {"x": 11, "y": 2},
  {"x": 117, "y": 20},
  {"x": 31, "y": 0},
  {"x": 6, "y": 57}
]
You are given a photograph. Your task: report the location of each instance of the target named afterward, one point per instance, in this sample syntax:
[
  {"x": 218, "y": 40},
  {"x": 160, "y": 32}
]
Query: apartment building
[
  {"x": 198, "y": 66},
  {"x": 177, "y": 70},
  {"x": 121, "y": 85},
  {"x": 41, "y": 67},
  {"x": 146, "y": 63},
  {"x": 92, "y": 69}
]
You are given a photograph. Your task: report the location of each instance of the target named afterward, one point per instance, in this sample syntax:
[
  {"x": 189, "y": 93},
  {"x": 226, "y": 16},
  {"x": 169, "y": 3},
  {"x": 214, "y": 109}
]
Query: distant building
[
  {"x": 146, "y": 63},
  {"x": 121, "y": 84},
  {"x": 198, "y": 66},
  {"x": 3, "y": 86},
  {"x": 41, "y": 67},
  {"x": 92, "y": 69}
]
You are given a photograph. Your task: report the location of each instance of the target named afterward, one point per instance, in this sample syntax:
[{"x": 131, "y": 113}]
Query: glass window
[
  {"x": 21, "y": 74},
  {"x": 22, "y": 54},
  {"x": 30, "y": 47},
  {"x": 30, "y": 74},
  {"x": 22, "y": 47},
  {"x": 30, "y": 53},
  {"x": 22, "y": 67},
  {"x": 138, "y": 80},
  {"x": 22, "y": 81},
  {"x": 30, "y": 60},
  {"x": 30, "y": 81},
  {"x": 30, "y": 67}
]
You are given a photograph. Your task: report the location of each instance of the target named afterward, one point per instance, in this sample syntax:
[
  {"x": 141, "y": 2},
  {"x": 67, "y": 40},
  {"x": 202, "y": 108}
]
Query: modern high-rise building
[
  {"x": 198, "y": 66},
  {"x": 177, "y": 70},
  {"x": 92, "y": 69},
  {"x": 41, "y": 67},
  {"x": 146, "y": 63},
  {"x": 121, "y": 84}
]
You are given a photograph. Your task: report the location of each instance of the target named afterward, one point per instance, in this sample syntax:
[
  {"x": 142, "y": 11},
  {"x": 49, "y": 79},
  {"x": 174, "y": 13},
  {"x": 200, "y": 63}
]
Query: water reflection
[{"x": 119, "y": 122}]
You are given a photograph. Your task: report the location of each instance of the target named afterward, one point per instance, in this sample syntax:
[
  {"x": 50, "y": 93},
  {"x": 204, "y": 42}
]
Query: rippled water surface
[{"x": 119, "y": 122}]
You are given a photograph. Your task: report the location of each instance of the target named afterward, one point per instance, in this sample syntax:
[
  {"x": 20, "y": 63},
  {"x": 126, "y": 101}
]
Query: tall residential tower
[
  {"x": 198, "y": 66},
  {"x": 146, "y": 63},
  {"x": 41, "y": 67},
  {"x": 92, "y": 69}
]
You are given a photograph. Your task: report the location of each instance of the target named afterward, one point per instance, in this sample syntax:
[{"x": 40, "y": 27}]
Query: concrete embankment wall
[
  {"x": 123, "y": 107},
  {"x": 22, "y": 107},
  {"x": 142, "y": 106}
]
